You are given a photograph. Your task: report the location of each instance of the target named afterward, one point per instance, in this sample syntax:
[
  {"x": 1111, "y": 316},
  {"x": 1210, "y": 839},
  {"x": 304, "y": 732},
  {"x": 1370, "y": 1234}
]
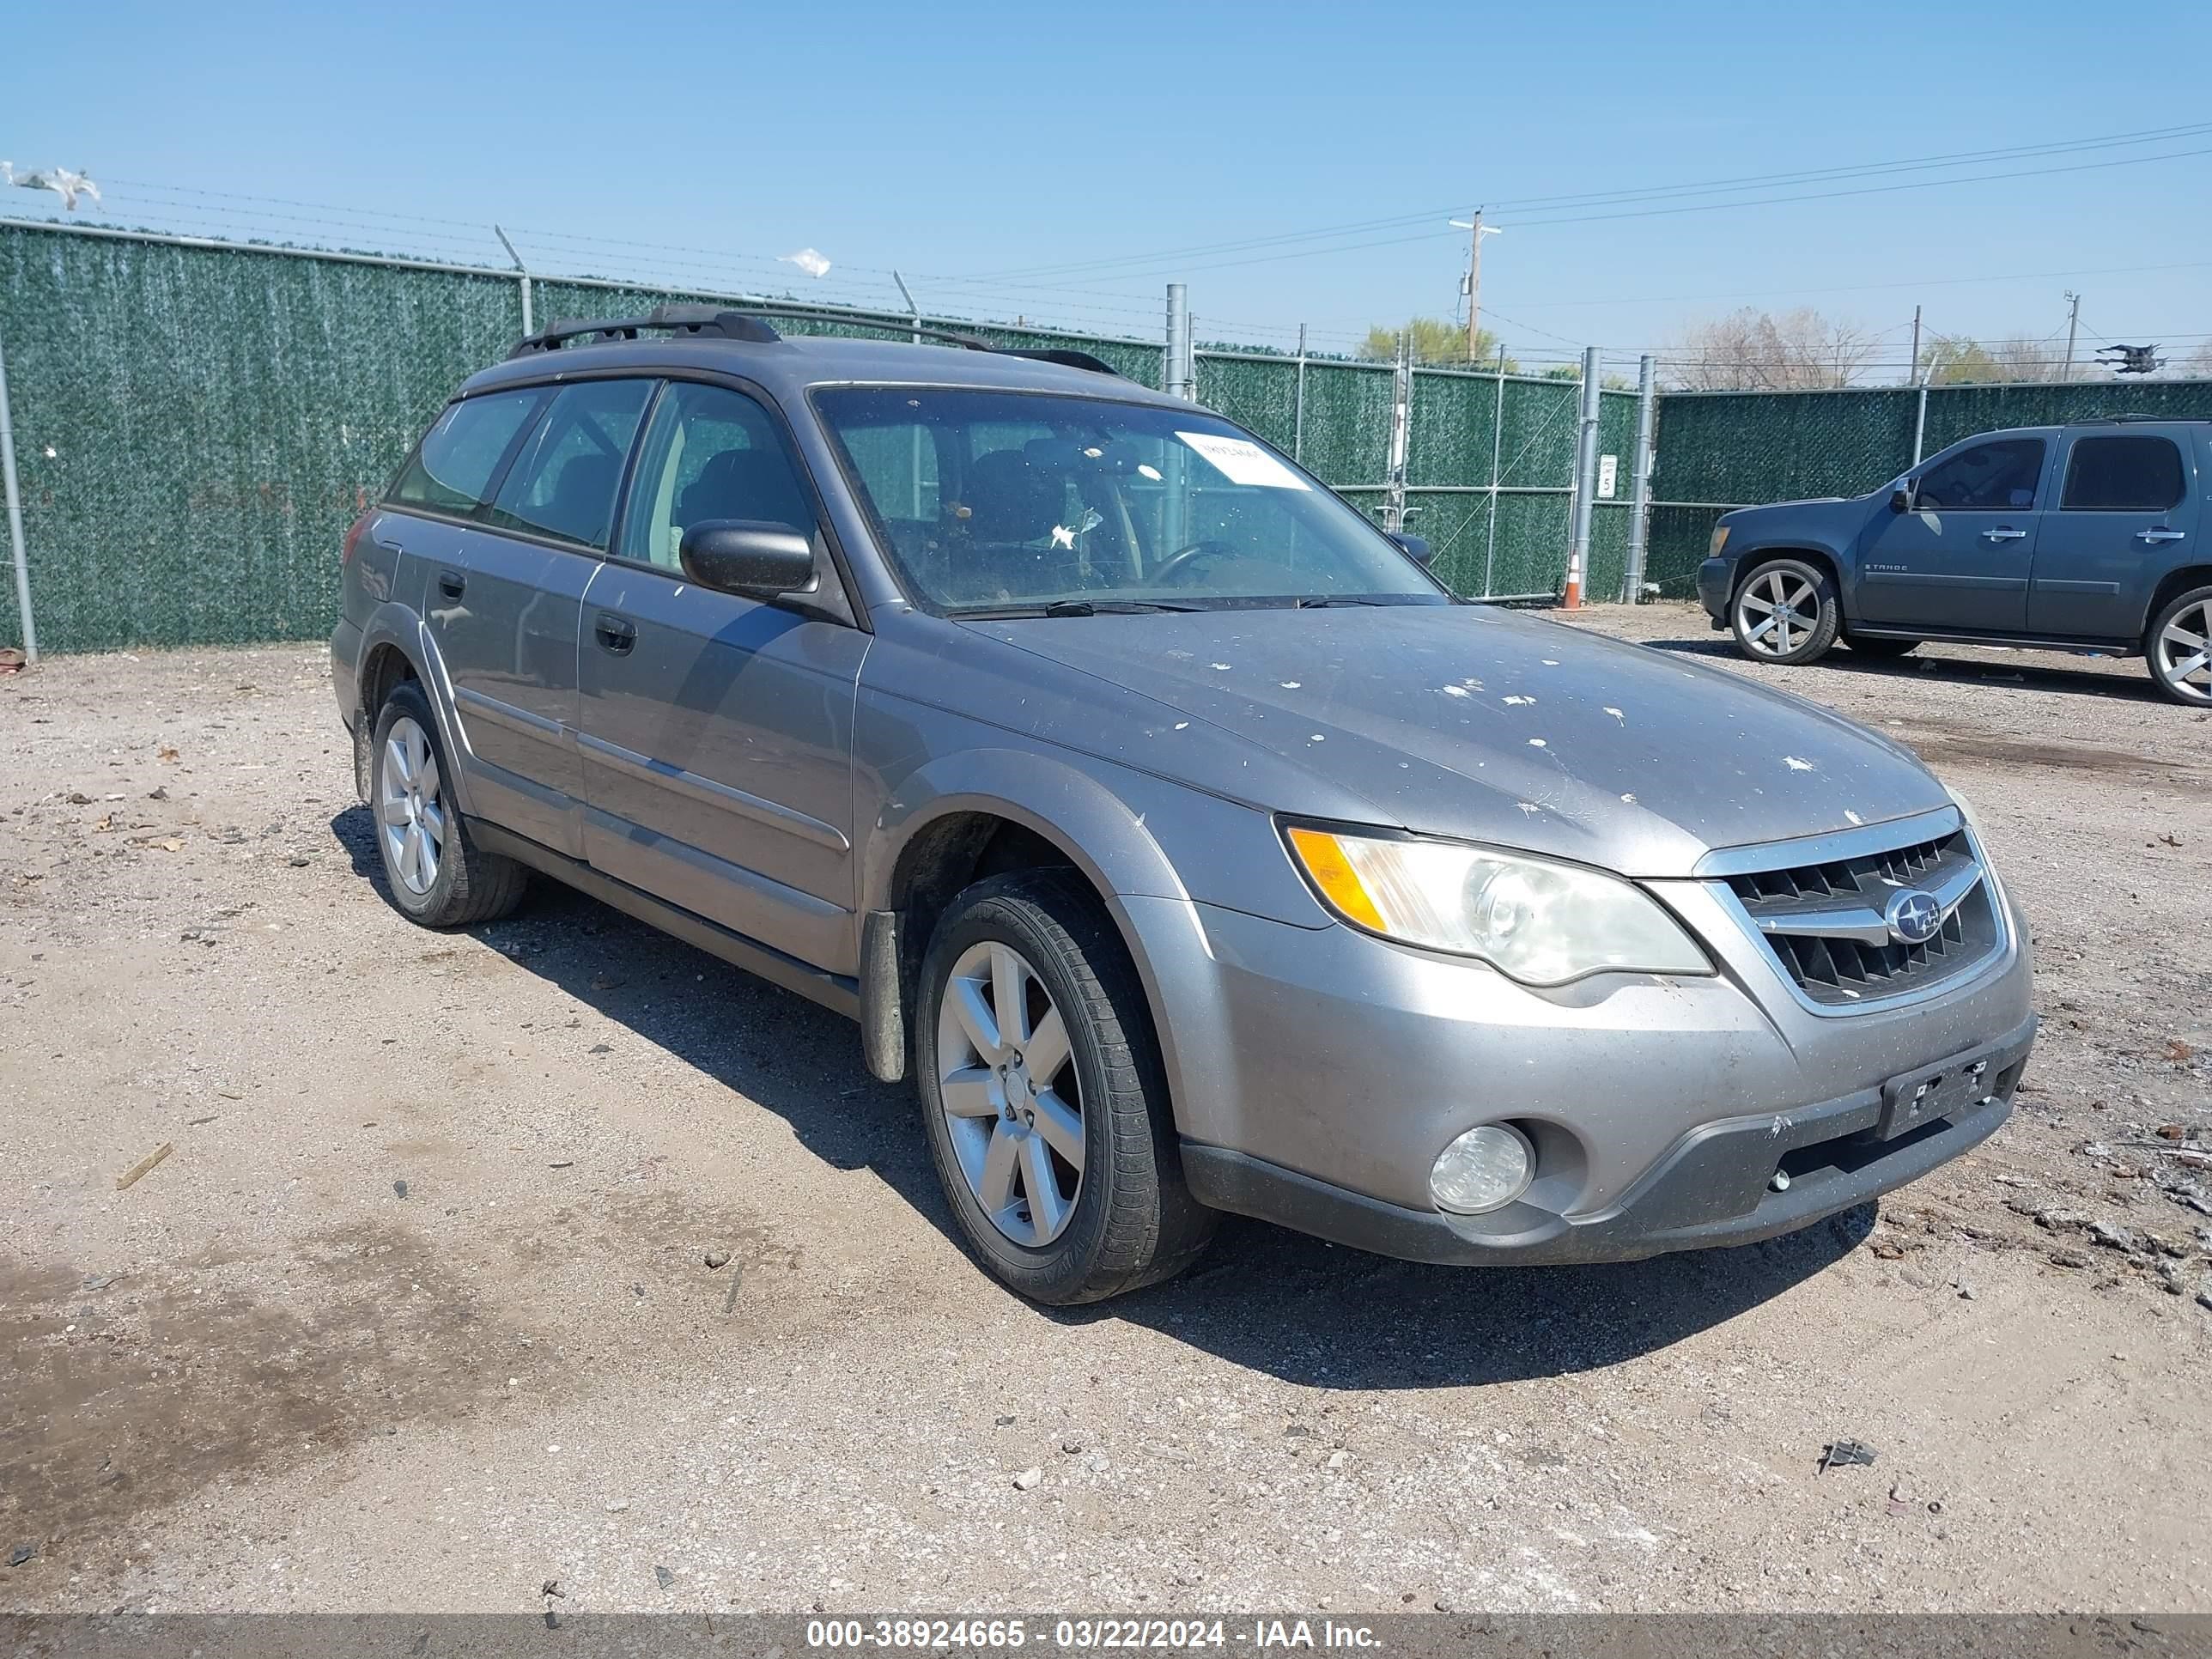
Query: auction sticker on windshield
[{"x": 1242, "y": 461}]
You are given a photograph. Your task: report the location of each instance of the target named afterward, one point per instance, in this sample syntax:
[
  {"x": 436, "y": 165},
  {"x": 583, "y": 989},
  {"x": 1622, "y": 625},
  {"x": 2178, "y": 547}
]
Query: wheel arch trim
[{"x": 394, "y": 626}]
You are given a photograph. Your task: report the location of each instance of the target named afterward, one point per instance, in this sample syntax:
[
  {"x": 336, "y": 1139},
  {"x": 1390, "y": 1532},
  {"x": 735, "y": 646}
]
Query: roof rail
[
  {"x": 729, "y": 324},
  {"x": 2125, "y": 420},
  {"x": 1062, "y": 355},
  {"x": 678, "y": 319}
]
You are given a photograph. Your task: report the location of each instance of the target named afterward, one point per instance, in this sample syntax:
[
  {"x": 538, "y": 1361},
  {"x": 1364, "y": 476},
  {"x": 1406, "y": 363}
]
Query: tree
[
  {"x": 1961, "y": 360},
  {"x": 1753, "y": 351},
  {"x": 1437, "y": 341}
]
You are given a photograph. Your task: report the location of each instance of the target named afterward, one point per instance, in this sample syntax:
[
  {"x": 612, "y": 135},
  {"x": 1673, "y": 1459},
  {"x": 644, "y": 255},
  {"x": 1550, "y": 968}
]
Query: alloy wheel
[
  {"x": 2183, "y": 653},
  {"x": 410, "y": 815},
  {"x": 1006, "y": 1084},
  {"x": 1777, "y": 613}
]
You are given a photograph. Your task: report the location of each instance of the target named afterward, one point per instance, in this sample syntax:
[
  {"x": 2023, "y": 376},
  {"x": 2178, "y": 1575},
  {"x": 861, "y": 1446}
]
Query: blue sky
[{"x": 969, "y": 144}]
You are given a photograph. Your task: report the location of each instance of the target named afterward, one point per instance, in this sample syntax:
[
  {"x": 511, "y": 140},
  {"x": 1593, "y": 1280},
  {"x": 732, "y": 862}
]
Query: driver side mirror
[
  {"x": 1901, "y": 500},
  {"x": 1416, "y": 548},
  {"x": 747, "y": 557}
]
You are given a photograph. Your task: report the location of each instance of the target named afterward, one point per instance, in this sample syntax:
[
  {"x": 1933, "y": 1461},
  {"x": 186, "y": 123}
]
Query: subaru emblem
[{"x": 1914, "y": 917}]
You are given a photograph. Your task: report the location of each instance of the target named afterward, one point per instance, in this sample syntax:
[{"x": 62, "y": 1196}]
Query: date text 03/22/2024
[{"x": 926, "y": 1635}]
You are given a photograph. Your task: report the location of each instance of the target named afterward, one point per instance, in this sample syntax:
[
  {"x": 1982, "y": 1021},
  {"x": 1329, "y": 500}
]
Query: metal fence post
[
  {"x": 1298, "y": 409},
  {"x": 1401, "y": 420},
  {"x": 15, "y": 517},
  {"x": 1920, "y": 423},
  {"x": 523, "y": 271},
  {"x": 1497, "y": 456},
  {"x": 1174, "y": 496},
  {"x": 1639, "y": 496},
  {"x": 1585, "y": 482},
  {"x": 1176, "y": 367}
]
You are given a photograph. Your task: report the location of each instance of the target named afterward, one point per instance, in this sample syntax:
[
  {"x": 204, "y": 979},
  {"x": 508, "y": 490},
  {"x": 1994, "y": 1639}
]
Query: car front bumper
[
  {"x": 1715, "y": 578},
  {"x": 1317, "y": 1073}
]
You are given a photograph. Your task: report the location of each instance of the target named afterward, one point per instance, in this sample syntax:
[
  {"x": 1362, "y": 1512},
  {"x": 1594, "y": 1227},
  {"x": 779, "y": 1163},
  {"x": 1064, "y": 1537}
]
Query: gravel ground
[{"x": 415, "y": 1316}]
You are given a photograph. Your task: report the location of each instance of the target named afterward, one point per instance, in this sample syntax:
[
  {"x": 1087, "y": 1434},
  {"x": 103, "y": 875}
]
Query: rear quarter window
[
  {"x": 2132, "y": 474},
  {"x": 453, "y": 469}
]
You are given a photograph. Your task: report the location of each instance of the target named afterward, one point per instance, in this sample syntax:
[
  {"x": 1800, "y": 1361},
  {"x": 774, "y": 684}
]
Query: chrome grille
[{"x": 1826, "y": 925}]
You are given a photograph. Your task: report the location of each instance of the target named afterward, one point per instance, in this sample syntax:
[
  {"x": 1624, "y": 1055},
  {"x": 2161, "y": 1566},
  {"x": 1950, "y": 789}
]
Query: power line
[
  {"x": 1186, "y": 267},
  {"x": 1955, "y": 158}
]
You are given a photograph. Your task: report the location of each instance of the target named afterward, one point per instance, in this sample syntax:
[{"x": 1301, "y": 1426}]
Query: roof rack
[
  {"x": 729, "y": 324},
  {"x": 2125, "y": 420},
  {"x": 678, "y": 319}
]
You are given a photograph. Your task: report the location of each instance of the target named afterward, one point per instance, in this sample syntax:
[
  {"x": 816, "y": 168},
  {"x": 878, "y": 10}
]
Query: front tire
[
  {"x": 433, "y": 871},
  {"x": 1786, "y": 611},
  {"x": 1043, "y": 1096},
  {"x": 2178, "y": 646}
]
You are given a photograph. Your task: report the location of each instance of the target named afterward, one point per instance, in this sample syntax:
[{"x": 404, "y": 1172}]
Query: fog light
[{"x": 1483, "y": 1170}]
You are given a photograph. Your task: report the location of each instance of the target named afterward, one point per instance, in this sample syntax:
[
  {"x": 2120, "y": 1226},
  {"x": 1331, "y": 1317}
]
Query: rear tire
[
  {"x": 1874, "y": 647},
  {"x": 1785, "y": 611},
  {"x": 996, "y": 1087},
  {"x": 2178, "y": 645},
  {"x": 433, "y": 872}
]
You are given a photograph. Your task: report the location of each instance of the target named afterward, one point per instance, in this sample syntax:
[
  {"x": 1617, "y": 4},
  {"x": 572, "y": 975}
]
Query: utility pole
[
  {"x": 1916, "y": 345},
  {"x": 1476, "y": 230},
  {"x": 2073, "y": 327}
]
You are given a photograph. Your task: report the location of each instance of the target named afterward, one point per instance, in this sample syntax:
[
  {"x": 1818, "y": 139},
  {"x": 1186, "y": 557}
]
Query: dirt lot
[{"x": 415, "y": 1315}]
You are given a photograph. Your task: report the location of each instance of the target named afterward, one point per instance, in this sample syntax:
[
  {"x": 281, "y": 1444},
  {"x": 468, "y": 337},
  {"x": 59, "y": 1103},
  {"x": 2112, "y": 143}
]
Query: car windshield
[{"x": 1011, "y": 502}]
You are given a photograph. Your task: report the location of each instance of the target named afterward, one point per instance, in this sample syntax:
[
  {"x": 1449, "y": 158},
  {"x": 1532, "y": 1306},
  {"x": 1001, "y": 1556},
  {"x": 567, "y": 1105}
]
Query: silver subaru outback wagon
[{"x": 1189, "y": 844}]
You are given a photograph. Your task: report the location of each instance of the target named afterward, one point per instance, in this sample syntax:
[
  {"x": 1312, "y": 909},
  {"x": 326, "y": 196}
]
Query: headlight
[
  {"x": 1719, "y": 541},
  {"x": 1540, "y": 922}
]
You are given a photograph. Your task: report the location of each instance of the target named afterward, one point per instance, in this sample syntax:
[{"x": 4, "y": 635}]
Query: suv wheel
[
  {"x": 436, "y": 875},
  {"x": 1785, "y": 611},
  {"x": 2179, "y": 646},
  {"x": 1043, "y": 1097}
]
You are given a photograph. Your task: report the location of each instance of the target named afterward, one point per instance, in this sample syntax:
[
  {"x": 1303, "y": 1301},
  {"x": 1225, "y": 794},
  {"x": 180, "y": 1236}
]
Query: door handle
[
  {"x": 2003, "y": 535},
  {"x": 451, "y": 584},
  {"x": 615, "y": 635},
  {"x": 2161, "y": 535}
]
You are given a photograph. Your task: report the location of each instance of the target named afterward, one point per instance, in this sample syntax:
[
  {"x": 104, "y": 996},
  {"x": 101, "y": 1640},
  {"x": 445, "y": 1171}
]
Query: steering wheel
[{"x": 1182, "y": 556}]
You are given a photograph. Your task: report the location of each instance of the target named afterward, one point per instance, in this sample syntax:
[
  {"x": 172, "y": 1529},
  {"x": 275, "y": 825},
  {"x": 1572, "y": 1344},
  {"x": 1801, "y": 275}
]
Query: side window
[
  {"x": 564, "y": 482},
  {"x": 710, "y": 453},
  {"x": 452, "y": 470},
  {"x": 2123, "y": 475},
  {"x": 1989, "y": 477}
]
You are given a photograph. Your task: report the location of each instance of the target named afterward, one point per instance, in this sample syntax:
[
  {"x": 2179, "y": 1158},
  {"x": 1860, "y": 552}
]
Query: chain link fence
[{"x": 197, "y": 423}]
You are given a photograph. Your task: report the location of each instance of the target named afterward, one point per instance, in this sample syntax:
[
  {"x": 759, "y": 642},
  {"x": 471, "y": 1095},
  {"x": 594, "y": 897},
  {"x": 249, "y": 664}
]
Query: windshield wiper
[
  {"x": 1068, "y": 608},
  {"x": 1319, "y": 601}
]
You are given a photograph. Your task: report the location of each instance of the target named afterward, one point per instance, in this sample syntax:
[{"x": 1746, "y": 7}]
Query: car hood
[{"x": 1488, "y": 725}]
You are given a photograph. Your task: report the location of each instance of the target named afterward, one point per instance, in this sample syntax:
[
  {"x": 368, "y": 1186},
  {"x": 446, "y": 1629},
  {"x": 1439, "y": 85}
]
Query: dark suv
[{"x": 2078, "y": 537}]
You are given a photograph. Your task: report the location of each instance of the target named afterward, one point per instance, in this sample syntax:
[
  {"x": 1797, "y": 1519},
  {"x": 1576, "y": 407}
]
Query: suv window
[
  {"x": 451, "y": 468},
  {"x": 1989, "y": 477},
  {"x": 709, "y": 453},
  {"x": 2123, "y": 475},
  {"x": 565, "y": 481}
]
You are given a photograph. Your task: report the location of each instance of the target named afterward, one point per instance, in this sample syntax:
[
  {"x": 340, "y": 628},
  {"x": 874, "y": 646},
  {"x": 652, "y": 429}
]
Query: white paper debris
[
  {"x": 63, "y": 183},
  {"x": 808, "y": 260}
]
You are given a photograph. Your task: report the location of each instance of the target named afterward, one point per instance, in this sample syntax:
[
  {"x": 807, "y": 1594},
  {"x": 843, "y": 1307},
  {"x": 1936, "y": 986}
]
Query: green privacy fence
[
  {"x": 197, "y": 423},
  {"x": 1723, "y": 449}
]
